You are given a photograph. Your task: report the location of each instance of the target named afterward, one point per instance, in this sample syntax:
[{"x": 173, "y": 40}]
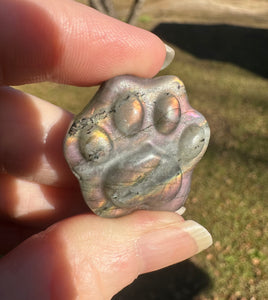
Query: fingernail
[
  {"x": 199, "y": 233},
  {"x": 170, "y": 53},
  {"x": 180, "y": 211},
  {"x": 172, "y": 244}
]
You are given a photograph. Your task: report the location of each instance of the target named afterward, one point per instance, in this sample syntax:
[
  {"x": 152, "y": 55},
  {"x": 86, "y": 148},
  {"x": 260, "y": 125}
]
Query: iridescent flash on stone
[{"x": 134, "y": 146}]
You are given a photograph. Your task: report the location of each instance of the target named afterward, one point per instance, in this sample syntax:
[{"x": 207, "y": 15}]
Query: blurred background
[{"x": 222, "y": 58}]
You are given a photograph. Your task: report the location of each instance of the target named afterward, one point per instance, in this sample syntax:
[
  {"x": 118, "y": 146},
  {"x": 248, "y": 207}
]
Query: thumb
[{"x": 88, "y": 257}]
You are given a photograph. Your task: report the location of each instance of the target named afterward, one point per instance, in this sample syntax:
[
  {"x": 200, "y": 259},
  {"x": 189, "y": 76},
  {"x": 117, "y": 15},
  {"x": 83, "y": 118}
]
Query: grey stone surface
[{"x": 135, "y": 144}]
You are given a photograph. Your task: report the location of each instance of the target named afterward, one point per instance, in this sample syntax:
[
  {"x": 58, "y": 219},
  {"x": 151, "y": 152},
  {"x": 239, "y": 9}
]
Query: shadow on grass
[
  {"x": 182, "y": 281},
  {"x": 243, "y": 46}
]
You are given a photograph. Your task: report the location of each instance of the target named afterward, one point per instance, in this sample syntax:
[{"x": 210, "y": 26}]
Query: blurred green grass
[{"x": 229, "y": 187}]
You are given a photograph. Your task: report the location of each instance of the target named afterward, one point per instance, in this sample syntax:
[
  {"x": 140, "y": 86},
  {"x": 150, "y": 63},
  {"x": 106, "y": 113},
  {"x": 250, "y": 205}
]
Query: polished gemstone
[{"x": 135, "y": 145}]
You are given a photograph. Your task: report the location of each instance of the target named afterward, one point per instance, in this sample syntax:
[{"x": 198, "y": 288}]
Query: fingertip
[
  {"x": 106, "y": 49},
  {"x": 67, "y": 42},
  {"x": 170, "y": 244},
  {"x": 88, "y": 256}
]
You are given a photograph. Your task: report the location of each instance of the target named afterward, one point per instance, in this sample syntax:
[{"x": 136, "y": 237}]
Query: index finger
[{"x": 67, "y": 42}]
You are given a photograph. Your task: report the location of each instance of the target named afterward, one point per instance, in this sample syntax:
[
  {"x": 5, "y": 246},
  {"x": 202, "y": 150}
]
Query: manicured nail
[
  {"x": 170, "y": 53},
  {"x": 180, "y": 211},
  {"x": 199, "y": 233},
  {"x": 172, "y": 244}
]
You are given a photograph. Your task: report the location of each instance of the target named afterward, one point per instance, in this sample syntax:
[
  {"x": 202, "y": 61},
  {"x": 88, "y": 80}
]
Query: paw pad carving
[{"x": 134, "y": 146}]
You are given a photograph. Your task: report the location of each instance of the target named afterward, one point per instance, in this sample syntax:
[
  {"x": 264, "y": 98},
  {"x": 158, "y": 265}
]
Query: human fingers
[
  {"x": 88, "y": 257},
  {"x": 36, "y": 205},
  {"x": 32, "y": 133},
  {"x": 68, "y": 42},
  {"x": 37, "y": 186},
  {"x": 11, "y": 235}
]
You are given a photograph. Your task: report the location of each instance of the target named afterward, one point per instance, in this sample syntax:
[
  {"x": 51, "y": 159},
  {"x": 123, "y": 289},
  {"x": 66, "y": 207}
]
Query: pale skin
[{"x": 55, "y": 247}]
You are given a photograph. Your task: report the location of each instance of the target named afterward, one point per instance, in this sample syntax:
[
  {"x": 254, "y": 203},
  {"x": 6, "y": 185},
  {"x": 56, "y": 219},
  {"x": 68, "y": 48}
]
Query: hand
[{"x": 56, "y": 248}]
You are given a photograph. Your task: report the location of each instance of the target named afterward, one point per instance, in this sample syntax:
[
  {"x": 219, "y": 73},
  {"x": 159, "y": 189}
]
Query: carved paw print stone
[{"x": 134, "y": 146}]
